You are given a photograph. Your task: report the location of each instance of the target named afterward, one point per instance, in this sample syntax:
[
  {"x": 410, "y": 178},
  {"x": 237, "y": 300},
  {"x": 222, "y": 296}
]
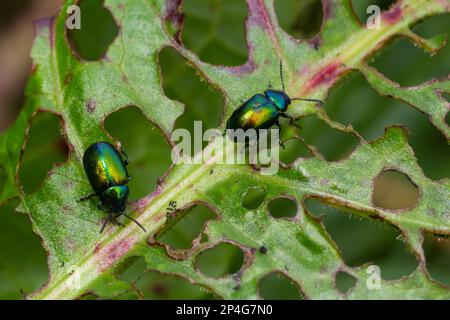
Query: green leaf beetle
[
  {"x": 107, "y": 173},
  {"x": 262, "y": 111}
]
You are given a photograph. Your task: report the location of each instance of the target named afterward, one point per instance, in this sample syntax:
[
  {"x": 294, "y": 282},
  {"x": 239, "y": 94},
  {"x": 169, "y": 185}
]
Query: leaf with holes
[{"x": 83, "y": 93}]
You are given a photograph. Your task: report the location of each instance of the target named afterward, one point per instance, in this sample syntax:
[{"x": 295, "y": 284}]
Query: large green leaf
[{"x": 83, "y": 93}]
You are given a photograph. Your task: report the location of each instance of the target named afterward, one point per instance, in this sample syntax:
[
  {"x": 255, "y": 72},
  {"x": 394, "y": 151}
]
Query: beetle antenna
[
  {"x": 140, "y": 225},
  {"x": 281, "y": 74},
  {"x": 310, "y": 100}
]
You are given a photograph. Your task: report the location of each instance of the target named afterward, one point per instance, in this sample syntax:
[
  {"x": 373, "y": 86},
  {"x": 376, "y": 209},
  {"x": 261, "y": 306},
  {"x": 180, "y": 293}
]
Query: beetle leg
[
  {"x": 279, "y": 128},
  {"x": 117, "y": 222},
  {"x": 105, "y": 223},
  {"x": 88, "y": 197},
  {"x": 270, "y": 86},
  {"x": 125, "y": 156},
  {"x": 278, "y": 124},
  {"x": 291, "y": 120}
]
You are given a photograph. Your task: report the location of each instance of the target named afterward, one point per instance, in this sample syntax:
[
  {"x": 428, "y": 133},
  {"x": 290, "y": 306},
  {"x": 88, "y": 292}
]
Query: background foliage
[{"x": 214, "y": 30}]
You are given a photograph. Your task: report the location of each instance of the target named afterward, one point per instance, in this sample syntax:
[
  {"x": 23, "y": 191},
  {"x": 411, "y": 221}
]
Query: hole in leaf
[
  {"x": 277, "y": 286},
  {"x": 332, "y": 143},
  {"x": 180, "y": 82},
  {"x": 433, "y": 25},
  {"x": 167, "y": 287},
  {"x": 294, "y": 149},
  {"x": 396, "y": 60},
  {"x": 361, "y": 241},
  {"x": 44, "y": 148},
  {"x": 437, "y": 255},
  {"x": 253, "y": 198},
  {"x": 398, "y": 68},
  {"x": 23, "y": 260},
  {"x": 360, "y": 7},
  {"x": 136, "y": 268},
  {"x": 344, "y": 281},
  {"x": 214, "y": 30},
  {"x": 301, "y": 19},
  {"x": 355, "y": 102},
  {"x": 282, "y": 207},
  {"x": 186, "y": 227},
  {"x": 155, "y": 285},
  {"x": 98, "y": 31},
  {"x": 224, "y": 258},
  {"x": 147, "y": 164},
  {"x": 394, "y": 190},
  {"x": 428, "y": 28}
]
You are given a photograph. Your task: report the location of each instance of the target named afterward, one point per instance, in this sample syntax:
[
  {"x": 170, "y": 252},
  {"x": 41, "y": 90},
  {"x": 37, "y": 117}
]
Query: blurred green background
[{"x": 214, "y": 29}]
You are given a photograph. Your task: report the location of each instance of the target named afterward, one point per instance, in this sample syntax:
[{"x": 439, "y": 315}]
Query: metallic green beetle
[
  {"x": 262, "y": 111},
  {"x": 108, "y": 176}
]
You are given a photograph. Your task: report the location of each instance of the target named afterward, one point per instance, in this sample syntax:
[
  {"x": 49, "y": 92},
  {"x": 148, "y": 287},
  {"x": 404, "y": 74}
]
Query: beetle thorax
[
  {"x": 115, "y": 198},
  {"x": 279, "y": 98}
]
